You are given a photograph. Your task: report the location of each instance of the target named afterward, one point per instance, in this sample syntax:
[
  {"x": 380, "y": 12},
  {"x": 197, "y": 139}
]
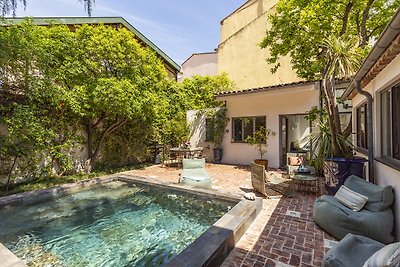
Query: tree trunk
[
  {"x": 93, "y": 154},
  {"x": 333, "y": 113},
  {"x": 10, "y": 173},
  {"x": 89, "y": 134}
]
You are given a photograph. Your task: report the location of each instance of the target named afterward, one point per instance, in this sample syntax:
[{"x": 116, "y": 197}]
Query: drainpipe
[{"x": 370, "y": 134}]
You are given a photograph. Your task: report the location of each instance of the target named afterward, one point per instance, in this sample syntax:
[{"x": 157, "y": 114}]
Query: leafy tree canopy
[
  {"x": 299, "y": 28},
  {"x": 94, "y": 86}
]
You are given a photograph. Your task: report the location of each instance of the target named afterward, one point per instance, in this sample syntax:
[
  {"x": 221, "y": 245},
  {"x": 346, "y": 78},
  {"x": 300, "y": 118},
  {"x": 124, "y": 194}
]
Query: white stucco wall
[
  {"x": 204, "y": 64},
  {"x": 384, "y": 174},
  {"x": 296, "y": 100},
  {"x": 197, "y": 125}
]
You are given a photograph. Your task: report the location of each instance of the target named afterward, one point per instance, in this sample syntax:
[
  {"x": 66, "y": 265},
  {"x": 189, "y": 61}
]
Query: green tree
[
  {"x": 35, "y": 127},
  {"x": 195, "y": 93},
  {"x": 326, "y": 40},
  {"x": 107, "y": 79}
]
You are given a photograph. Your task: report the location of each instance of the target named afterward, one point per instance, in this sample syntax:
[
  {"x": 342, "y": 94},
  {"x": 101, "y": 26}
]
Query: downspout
[{"x": 370, "y": 129}]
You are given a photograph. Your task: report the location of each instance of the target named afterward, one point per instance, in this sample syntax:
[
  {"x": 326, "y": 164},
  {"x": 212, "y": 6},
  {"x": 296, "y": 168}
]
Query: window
[
  {"x": 209, "y": 130},
  {"x": 246, "y": 126},
  {"x": 390, "y": 122},
  {"x": 361, "y": 114}
]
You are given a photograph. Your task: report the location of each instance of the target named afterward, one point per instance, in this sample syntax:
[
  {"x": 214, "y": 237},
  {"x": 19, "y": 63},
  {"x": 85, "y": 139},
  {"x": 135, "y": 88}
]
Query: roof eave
[{"x": 265, "y": 89}]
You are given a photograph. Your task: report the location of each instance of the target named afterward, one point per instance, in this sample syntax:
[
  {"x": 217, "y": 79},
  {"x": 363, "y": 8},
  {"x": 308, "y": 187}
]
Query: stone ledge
[
  {"x": 212, "y": 247},
  {"x": 8, "y": 259},
  {"x": 33, "y": 197}
]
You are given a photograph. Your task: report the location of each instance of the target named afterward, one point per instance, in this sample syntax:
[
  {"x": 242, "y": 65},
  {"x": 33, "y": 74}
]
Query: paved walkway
[{"x": 284, "y": 233}]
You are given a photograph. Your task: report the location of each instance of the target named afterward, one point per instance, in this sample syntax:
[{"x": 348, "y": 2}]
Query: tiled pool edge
[
  {"x": 8, "y": 259},
  {"x": 213, "y": 246},
  {"x": 52, "y": 192},
  {"x": 210, "y": 249}
]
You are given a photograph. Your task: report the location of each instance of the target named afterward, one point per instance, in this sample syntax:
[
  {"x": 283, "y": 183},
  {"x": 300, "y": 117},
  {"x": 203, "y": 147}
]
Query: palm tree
[
  {"x": 343, "y": 58},
  {"x": 8, "y": 6}
]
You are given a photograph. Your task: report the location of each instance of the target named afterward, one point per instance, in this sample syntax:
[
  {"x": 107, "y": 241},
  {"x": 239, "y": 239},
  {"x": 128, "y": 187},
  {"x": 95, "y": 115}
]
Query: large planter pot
[
  {"x": 218, "y": 153},
  {"x": 263, "y": 162},
  {"x": 336, "y": 171}
]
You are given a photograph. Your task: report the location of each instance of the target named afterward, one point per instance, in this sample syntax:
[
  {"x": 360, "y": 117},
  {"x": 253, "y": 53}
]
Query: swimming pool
[{"x": 111, "y": 224}]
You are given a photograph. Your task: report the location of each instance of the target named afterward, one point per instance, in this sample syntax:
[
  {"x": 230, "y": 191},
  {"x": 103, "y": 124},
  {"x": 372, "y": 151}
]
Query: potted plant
[
  {"x": 260, "y": 140},
  {"x": 335, "y": 168},
  {"x": 220, "y": 122}
]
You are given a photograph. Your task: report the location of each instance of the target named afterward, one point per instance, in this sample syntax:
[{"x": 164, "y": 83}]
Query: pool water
[{"x": 114, "y": 224}]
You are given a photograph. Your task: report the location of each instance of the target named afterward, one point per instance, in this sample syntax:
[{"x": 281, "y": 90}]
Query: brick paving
[{"x": 277, "y": 237}]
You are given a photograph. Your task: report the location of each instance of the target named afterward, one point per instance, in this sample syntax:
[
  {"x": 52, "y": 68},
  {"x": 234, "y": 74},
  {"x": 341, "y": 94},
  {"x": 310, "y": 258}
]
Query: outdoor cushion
[
  {"x": 379, "y": 198},
  {"x": 351, "y": 199},
  {"x": 353, "y": 250},
  {"x": 295, "y": 161},
  {"x": 194, "y": 174},
  {"x": 194, "y": 163},
  {"x": 386, "y": 256},
  {"x": 339, "y": 220}
]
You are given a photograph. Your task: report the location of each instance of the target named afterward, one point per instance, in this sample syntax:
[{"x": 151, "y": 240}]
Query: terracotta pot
[{"x": 263, "y": 162}]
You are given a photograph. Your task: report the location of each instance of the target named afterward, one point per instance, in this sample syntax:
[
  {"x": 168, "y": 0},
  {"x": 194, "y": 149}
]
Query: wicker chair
[{"x": 262, "y": 181}]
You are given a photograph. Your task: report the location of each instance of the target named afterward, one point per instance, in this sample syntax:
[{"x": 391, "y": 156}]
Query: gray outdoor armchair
[
  {"x": 375, "y": 220},
  {"x": 352, "y": 250}
]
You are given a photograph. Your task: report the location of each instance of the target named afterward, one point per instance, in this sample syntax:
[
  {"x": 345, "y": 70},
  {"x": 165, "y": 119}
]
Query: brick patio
[{"x": 284, "y": 233}]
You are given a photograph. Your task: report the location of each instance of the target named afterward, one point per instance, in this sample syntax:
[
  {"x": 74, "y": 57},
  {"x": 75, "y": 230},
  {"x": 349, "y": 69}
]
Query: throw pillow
[
  {"x": 351, "y": 199},
  {"x": 295, "y": 161},
  {"x": 388, "y": 256}
]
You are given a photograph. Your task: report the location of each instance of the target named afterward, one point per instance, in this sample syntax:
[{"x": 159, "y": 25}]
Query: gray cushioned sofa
[
  {"x": 375, "y": 220},
  {"x": 352, "y": 250}
]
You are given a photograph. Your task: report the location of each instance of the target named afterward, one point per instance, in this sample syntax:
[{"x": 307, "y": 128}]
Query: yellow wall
[{"x": 239, "y": 54}]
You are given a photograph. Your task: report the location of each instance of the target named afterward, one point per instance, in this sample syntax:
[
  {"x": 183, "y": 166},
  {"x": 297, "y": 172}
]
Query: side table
[{"x": 307, "y": 181}]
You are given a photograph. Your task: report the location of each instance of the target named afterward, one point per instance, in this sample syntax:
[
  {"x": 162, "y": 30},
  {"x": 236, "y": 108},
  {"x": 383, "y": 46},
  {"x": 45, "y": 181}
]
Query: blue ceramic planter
[{"x": 336, "y": 171}]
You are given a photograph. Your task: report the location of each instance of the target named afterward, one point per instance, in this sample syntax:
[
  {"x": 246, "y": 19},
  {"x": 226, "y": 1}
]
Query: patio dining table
[{"x": 186, "y": 152}]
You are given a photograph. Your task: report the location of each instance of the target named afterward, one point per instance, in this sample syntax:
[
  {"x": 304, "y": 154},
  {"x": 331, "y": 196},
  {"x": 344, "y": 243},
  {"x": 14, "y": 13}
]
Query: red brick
[{"x": 294, "y": 260}]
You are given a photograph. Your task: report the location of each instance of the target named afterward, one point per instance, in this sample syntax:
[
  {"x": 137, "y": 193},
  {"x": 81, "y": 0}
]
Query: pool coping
[{"x": 210, "y": 249}]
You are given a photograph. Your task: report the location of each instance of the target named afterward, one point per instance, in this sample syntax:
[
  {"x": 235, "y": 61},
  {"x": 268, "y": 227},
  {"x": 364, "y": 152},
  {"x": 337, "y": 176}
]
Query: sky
[{"x": 178, "y": 27}]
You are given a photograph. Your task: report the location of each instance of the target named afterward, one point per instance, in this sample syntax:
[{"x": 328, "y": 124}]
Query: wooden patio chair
[{"x": 263, "y": 182}]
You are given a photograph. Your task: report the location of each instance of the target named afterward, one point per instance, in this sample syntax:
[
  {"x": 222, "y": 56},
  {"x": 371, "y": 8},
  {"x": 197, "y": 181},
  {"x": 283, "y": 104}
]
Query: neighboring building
[
  {"x": 171, "y": 66},
  {"x": 380, "y": 77},
  {"x": 239, "y": 53},
  {"x": 278, "y": 101},
  {"x": 203, "y": 64}
]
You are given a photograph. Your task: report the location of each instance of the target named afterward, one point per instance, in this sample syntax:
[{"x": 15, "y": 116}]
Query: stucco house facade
[
  {"x": 379, "y": 77},
  {"x": 239, "y": 53},
  {"x": 203, "y": 64},
  {"x": 278, "y": 101}
]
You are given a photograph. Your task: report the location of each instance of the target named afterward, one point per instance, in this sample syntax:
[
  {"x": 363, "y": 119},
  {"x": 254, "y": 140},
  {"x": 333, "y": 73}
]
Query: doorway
[{"x": 294, "y": 130}]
